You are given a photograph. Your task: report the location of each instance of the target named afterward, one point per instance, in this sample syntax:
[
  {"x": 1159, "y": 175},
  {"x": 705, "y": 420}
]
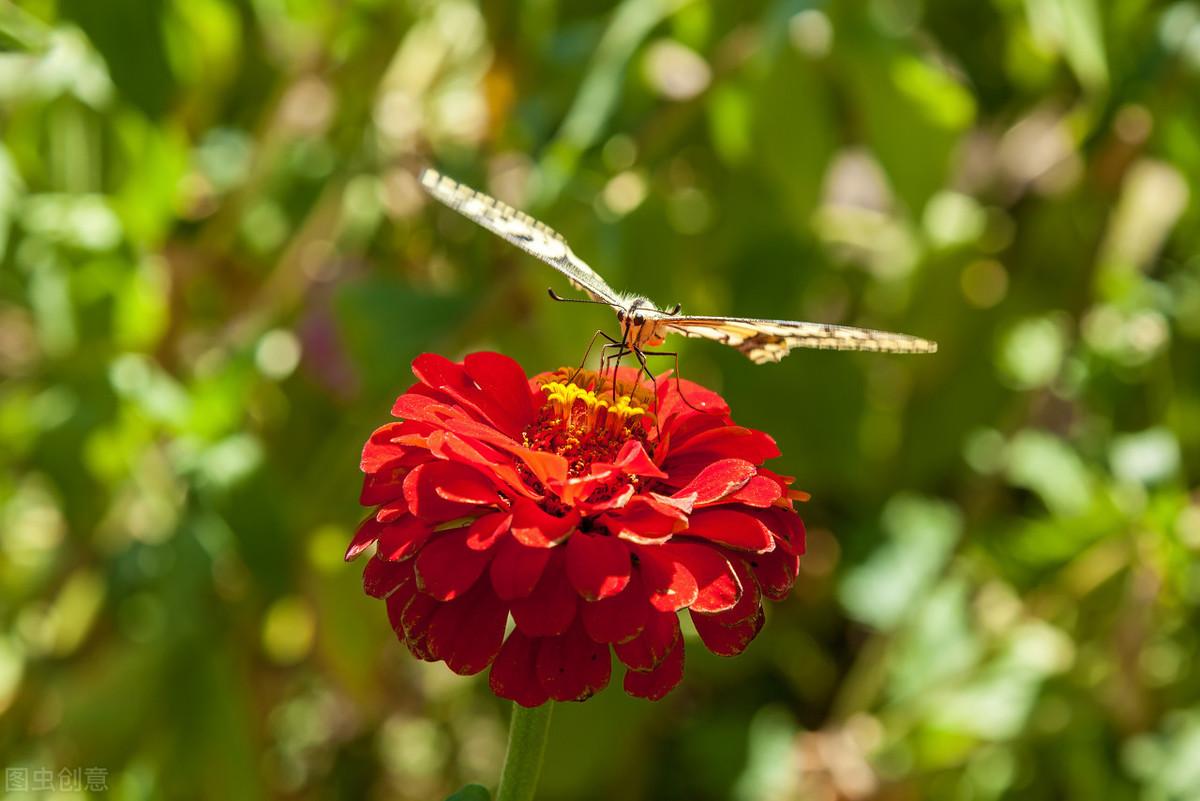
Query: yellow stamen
[
  {"x": 586, "y": 426},
  {"x": 598, "y": 410}
]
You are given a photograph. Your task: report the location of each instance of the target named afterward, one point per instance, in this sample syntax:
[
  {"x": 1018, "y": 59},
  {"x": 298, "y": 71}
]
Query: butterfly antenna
[{"x": 555, "y": 296}]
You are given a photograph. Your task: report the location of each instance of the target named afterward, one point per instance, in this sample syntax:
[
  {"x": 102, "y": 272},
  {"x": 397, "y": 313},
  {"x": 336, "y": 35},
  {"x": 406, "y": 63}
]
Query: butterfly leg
[
  {"x": 591, "y": 344},
  {"x": 641, "y": 357},
  {"x": 678, "y": 385},
  {"x": 608, "y": 358},
  {"x": 615, "y": 359}
]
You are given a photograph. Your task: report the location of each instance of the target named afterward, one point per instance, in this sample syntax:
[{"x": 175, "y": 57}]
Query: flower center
[{"x": 585, "y": 426}]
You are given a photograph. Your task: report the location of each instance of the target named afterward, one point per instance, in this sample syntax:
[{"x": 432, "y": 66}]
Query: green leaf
[
  {"x": 793, "y": 133},
  {"x": 921, "y": 533},
  {"x": 912, "y": 112},
  {"x": 472, "y": 792}
]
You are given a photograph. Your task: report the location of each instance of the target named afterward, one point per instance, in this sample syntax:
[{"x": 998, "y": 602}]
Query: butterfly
[{"x": 642, "y": 323}]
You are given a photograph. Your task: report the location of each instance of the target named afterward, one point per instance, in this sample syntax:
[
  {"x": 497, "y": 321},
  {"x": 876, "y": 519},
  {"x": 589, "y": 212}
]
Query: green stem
[{"x": 526, "y": 744}]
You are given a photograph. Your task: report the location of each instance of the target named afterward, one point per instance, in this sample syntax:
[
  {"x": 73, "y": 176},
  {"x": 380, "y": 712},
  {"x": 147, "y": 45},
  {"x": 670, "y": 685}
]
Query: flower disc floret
[{"x": 584, "y": 427}]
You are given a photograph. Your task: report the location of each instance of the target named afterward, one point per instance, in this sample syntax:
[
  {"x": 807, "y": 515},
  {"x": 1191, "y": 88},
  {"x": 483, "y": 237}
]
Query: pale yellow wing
[
  {"x": 770, "y": 340},
  {"x": 535, "y": 238}
]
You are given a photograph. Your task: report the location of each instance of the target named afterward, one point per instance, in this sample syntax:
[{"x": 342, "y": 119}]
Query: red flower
[{"x": 567, "y": 507}]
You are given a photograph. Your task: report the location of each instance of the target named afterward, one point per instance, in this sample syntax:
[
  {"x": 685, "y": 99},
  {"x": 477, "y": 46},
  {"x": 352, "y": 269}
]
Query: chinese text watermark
[{"x": 46, "y": 780}]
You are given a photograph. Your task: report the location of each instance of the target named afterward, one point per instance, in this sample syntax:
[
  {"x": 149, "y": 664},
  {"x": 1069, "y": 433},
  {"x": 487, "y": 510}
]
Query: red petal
[
  {"x": 654, "y": 684},
  {"x": 718, "y": 587},
  {"x": 455, "y": 448},
  {"x": 550, "y": 608},
  {"x": 469, "y": 490},
  {"x": 548, "y": 468},
  {"x": 506, "y": 388},
  {"x": 536, "y": 527},
  {"x": 514, "y": 673},
  {"x": 454, "y": 419},
  {"x": 572, "y": 667},
  {"x": 619, "y": 618},
  {"x": 679, "y": 397},
  {"x": 455, "y": 381},
  {"x": 393, "y": 510},
  {"x": 417, "y": 404},
  {"x": 686, "y": 469},
  {"x": 368, "y": 531},
  {"x": 387, "y": 485},
  {"x": 422, "y": 484},
  {"x": 633, "y": 460},
  {"x": 750, "y": 602},
  {"x": 776, "y": 572},
  {"x": 670, "y": 585},
  {"x": 687, "y": 426},
  {"x": 785, "y": 524},
  {"x": 717, "y": 481},
  {"x": 382, "y": 578},
  {"x": 740, "y": 530},
  {"x": 468, "y": 450},
  {"x": 516, "y": 568},
  {"x": 725, "y": 640},
  {"x": 644, "y": 519},
  {"x": 760, "y": 491},
  {"x": 598, "y": 565},
  {"x": 651, "y": 647},
  {"x": 401, "y": 539},
  {"x": 786, "y": 495},
  {"x": 725, "y": 441},
  {"x": 580, "y": 496},
  {"x": 683, "y": 506},
  {"x": 466, "y": 633},
  {"x": 487, "y": 530},
  {"x": 446, "y": 567},
  {"x": 384, "y": 450},
  {"x": 410, "y": 615}
]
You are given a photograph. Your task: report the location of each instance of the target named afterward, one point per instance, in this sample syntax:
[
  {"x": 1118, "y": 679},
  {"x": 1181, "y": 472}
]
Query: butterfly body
[{"x": 642, "y": 323}]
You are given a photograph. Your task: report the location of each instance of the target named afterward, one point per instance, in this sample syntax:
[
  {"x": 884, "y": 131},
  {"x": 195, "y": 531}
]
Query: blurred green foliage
[{"x": 217, "y": 265}]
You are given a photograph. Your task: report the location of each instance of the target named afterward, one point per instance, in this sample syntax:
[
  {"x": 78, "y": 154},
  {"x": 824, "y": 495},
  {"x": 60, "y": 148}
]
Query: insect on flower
[{"x": 642, "y": 323}]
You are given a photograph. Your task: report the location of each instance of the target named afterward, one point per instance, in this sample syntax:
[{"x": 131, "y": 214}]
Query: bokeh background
[{"x": 217, "y": 266}]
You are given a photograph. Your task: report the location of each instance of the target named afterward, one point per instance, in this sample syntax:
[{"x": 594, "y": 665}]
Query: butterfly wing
[
  {"x": 770, "y": 340},
  {"x": 535, "y": 238}
]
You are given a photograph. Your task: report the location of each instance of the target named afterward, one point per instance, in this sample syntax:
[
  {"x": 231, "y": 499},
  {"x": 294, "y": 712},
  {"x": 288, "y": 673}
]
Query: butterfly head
[{"x": 641, "y": 322}]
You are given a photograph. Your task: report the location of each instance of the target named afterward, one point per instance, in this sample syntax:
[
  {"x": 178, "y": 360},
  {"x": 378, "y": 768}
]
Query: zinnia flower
[{"x": 582, "y": 511}]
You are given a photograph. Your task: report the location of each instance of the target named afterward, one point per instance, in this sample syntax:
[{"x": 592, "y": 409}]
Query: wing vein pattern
[
  {"x": 770, "y": 340},
  {"x": 535, "y": 238}
]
